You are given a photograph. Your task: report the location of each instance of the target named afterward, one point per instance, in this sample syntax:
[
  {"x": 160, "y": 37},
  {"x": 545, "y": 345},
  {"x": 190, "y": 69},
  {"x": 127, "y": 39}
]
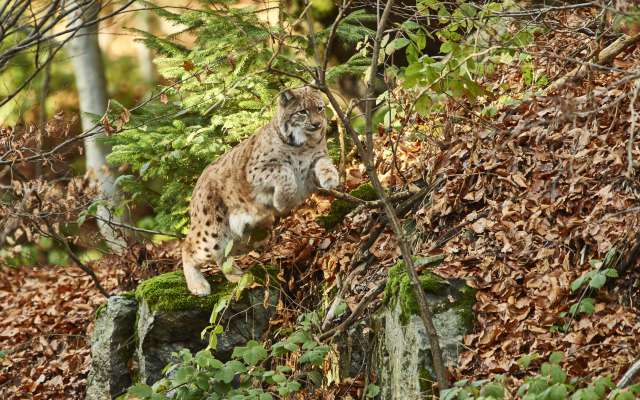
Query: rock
[
  {"x": 112, "y": 345},
  {"x": 403, "y": 357},
  {"x": 170, "y": 319}
]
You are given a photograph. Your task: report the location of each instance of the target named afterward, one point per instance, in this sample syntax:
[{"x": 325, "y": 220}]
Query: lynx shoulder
[{"x": 265, "y": 176}]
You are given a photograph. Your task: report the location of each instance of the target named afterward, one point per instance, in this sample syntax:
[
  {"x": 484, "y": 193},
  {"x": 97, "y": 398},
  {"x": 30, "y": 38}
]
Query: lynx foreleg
[
  {"x": 326, "y": 173},
  {"x": 285, "y": 189}
]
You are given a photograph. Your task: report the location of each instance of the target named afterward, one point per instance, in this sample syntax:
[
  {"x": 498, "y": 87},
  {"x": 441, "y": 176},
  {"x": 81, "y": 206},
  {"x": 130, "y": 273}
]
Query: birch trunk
[
  {"x": 92, "y": 92},
  {"x": 145, "y": 57}
]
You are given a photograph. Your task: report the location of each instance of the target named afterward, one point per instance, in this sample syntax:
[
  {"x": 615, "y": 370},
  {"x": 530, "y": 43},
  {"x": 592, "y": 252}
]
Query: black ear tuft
[{"x": 286, "y": 97}]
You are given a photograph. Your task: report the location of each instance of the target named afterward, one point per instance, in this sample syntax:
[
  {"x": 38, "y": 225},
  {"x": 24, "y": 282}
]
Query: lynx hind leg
[
  {"x": 192, "y": 259},
  {"x": 204, "y": 243}
]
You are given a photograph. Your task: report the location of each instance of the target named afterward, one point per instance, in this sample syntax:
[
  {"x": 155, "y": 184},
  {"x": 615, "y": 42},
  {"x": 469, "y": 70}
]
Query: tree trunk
[
  {"x": 145, "y": 57},
  {"x": 92, "y": 92}
]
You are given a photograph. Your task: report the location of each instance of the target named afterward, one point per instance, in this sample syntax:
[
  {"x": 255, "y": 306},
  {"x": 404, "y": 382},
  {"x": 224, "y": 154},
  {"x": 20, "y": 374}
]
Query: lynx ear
[{"x": 286, "y": 97}]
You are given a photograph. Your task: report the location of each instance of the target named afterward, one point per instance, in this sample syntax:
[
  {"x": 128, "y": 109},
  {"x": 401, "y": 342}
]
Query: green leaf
[
  {"x": 493, "y": 390},
  {"x": 252, "y": 353},
  {"x": 283, "y": 347},
  {"x": 597, "y": 280},
  {"x": 140, "y": 390},
  {"x": 557, "y": 392},
  {"x": 396, "y": 44},
  {"x": 585, "y": 306},
  {"x": 229, "y": 370},
  {"x": 446, "y": 47},
  {"x": 556, "y": 357},
  {"x": 611, "y": 273},
  {"x": 299, "y": 337},
  {"x": 315, "y": 377},
  {"x": 314, "y": 356},
  {"x": 245, "y": 281},
  {"x": 523, "y": 38},
  {"x": 372, "y": 391},
  {"x": 525, "y": 361},
  {"x": 288, "y": 388},
  {"x": 220, "y": 305},
  {"x": 205, "y": 359},
  {"x": 227, "y": 248},
  {"x": 183, "y": 375},
  {"x": 575, "y": 285}
]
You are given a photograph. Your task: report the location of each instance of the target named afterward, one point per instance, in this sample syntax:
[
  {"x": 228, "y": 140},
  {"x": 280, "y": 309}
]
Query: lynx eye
[{"x": 302, "y": 112}]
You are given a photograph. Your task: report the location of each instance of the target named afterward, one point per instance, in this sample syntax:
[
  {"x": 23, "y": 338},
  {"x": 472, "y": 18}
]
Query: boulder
[
  {"x": 403, "y": 357},
  {"x": 112, "y": 345},
  {"x": 170, "y": 319}
]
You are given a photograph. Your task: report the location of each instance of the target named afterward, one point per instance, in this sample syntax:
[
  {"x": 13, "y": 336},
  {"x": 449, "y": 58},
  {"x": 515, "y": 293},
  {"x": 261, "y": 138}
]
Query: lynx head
[{"x": 300, "y": 116}]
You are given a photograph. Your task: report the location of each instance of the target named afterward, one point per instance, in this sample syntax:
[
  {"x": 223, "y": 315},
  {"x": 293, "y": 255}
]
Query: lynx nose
[{"x": 316, "y": 125}]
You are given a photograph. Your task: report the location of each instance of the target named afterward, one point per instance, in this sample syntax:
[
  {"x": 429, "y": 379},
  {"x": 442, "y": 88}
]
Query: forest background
[{"x": 511, "y": 125}]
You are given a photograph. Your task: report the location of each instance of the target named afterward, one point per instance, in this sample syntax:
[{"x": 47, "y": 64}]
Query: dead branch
[
  {"x": 362, "y": 305},
  {"x": 604, "y": 57},
  {"x": 629, "y": 376},
  {"x": 369, "y": 203},
  {"x": 631, "y": 257},
  {"x": 632, "y": 128}
]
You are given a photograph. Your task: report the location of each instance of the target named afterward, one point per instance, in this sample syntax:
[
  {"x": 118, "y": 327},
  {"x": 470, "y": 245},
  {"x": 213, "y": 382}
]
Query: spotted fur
[{"x": 265, "y": 176}]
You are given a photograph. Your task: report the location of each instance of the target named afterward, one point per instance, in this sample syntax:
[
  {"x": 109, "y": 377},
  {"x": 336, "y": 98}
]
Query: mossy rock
[
  {"x": 399, "y": 290},
  {"x": 340, "y": 208},
  {"x": 403, "y": 358},
  {"x": 169, "y": 292},
  {"x": 170, "y": 318}
]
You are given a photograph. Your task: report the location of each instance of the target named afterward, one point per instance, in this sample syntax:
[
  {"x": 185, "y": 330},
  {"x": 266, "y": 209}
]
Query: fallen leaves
[{"x": 45, "y": 316}]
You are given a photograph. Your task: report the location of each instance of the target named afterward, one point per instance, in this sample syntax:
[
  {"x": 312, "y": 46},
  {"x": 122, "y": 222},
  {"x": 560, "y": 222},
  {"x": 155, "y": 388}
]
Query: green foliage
[
  {"x": 550, "y": 382},
  {"x": 473, "y": 43},
  {"x": 593, "y": 279},
  {"x": 222, "y": 94},
  {"x": 254, "y": 371}
]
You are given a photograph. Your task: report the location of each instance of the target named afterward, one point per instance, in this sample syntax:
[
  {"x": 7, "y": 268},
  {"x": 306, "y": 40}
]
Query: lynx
[{"x": 260, "y": 179}]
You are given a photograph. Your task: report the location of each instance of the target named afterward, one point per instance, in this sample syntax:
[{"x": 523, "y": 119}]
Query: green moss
[
  {"x": 464, "y": 305},
  {"x": 168, "y": 292},
  {"x": 100, "y": 310},
  {"x": 130, "y": 295},
  {"x": 340, "y": 208},
  {"x": 398, "y": 288}
]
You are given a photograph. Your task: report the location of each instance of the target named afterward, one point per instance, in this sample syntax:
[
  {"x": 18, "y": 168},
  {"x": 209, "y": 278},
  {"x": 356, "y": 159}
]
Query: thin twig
[
  {"x": 632, "y": 128},
  {"x": 628, "y": 376},
  {"x": 136, "y": 229},
  {"x": 369, "y": 203}
]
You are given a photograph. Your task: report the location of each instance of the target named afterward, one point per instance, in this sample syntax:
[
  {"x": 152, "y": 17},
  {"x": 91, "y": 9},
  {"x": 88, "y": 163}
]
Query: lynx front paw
[
  {"x": 328, "y": 179},
  {"x": 198, "y": 285}
]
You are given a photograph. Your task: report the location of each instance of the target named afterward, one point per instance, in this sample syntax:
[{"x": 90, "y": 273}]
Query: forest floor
[{"x": 525, "y": 201}]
